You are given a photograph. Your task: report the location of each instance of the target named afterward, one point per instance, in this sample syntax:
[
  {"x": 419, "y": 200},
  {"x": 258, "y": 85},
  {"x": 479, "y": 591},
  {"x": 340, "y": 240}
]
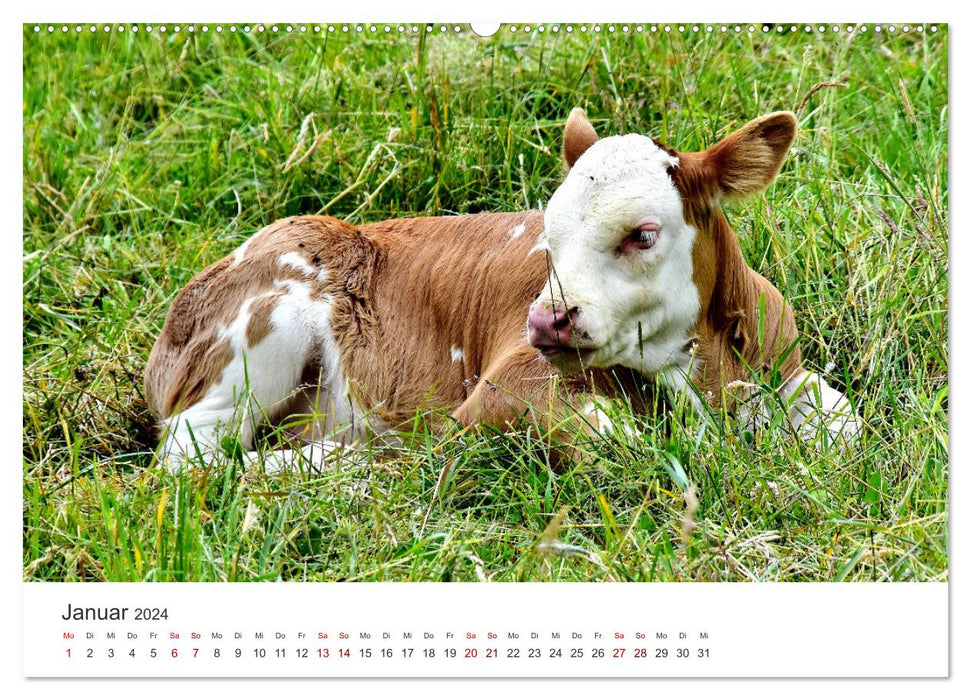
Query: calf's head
[{"x": 628, "y": 240}]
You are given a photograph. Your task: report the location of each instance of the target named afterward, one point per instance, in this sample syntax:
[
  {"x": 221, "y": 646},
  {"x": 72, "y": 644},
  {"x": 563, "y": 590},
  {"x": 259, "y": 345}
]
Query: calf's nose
[{"x": 551, "y": 326}]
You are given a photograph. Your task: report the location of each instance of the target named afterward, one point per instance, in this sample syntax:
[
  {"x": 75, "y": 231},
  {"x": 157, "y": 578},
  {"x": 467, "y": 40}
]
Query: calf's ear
[
  {"x": 578, "y": 136},
  {"x": 747, "y": 161}
]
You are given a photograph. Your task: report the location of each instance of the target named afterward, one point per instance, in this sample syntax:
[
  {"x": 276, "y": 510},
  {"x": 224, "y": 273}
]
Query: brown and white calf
[{"x": 630, "y": 276}]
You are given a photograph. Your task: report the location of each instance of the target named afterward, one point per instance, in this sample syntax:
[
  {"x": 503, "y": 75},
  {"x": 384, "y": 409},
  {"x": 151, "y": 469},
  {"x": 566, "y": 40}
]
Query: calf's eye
[{"x": 642, "y": 237}]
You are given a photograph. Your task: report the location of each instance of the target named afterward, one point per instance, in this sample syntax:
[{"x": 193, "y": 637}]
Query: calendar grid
[{"x": 469, "y": 630}]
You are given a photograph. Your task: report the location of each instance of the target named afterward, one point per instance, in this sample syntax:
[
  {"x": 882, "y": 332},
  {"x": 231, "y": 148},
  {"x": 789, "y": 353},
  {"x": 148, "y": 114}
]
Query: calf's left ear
[
  {"x": 747, "y": 161},
  {"x": 578, "y": 136}
]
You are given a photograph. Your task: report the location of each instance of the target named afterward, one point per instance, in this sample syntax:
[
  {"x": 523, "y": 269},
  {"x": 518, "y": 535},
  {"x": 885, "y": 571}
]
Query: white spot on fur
[
  {"x": 815, "y": 406},
  {"x": 597, "y": 417},
  {"x": 541, "y": 245},
  {"x": 679, "y": 375},
  {"x": 457, "y": 354},
  {"x": 517, "y": 231},
  {"x": 241, "y": 252},
  {"x": 258, "y": 382},
  {"x": 602, "y": 423},
  {"x": 296, "y": 261}
]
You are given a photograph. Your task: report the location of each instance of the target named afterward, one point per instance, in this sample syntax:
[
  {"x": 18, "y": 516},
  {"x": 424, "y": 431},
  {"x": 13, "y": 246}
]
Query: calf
[{"x": 320, "y": 328}]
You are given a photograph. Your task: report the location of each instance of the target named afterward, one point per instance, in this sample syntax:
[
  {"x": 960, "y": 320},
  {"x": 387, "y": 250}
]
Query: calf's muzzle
[{"x": 551, "y": 327}]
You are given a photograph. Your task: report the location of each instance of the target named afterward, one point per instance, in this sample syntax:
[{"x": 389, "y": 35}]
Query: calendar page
[{"x": 384, "y": 349}]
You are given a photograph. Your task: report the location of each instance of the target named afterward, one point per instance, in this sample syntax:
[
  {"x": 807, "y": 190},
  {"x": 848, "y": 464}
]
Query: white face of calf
[{"x": 621, "y": 287}]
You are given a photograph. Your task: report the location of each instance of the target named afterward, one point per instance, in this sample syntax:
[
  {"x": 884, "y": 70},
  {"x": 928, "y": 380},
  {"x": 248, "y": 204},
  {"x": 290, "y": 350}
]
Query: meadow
[{"x": 148, "y": 155}]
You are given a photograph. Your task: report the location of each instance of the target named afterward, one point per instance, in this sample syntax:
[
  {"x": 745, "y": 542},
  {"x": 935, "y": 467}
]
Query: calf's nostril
[{"x": 564, "y": 319}]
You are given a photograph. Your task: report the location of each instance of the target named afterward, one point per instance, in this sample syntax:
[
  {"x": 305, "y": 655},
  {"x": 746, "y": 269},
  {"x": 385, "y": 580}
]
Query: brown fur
[
  {"x": 440, "y": 283},
  {"x": 578, "y": 136},
  {"x": 731, "y": 293}
]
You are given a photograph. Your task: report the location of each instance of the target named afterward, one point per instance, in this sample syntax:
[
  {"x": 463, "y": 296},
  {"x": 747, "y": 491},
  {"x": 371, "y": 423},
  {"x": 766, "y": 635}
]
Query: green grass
[{"x": 149, "y": 156}]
